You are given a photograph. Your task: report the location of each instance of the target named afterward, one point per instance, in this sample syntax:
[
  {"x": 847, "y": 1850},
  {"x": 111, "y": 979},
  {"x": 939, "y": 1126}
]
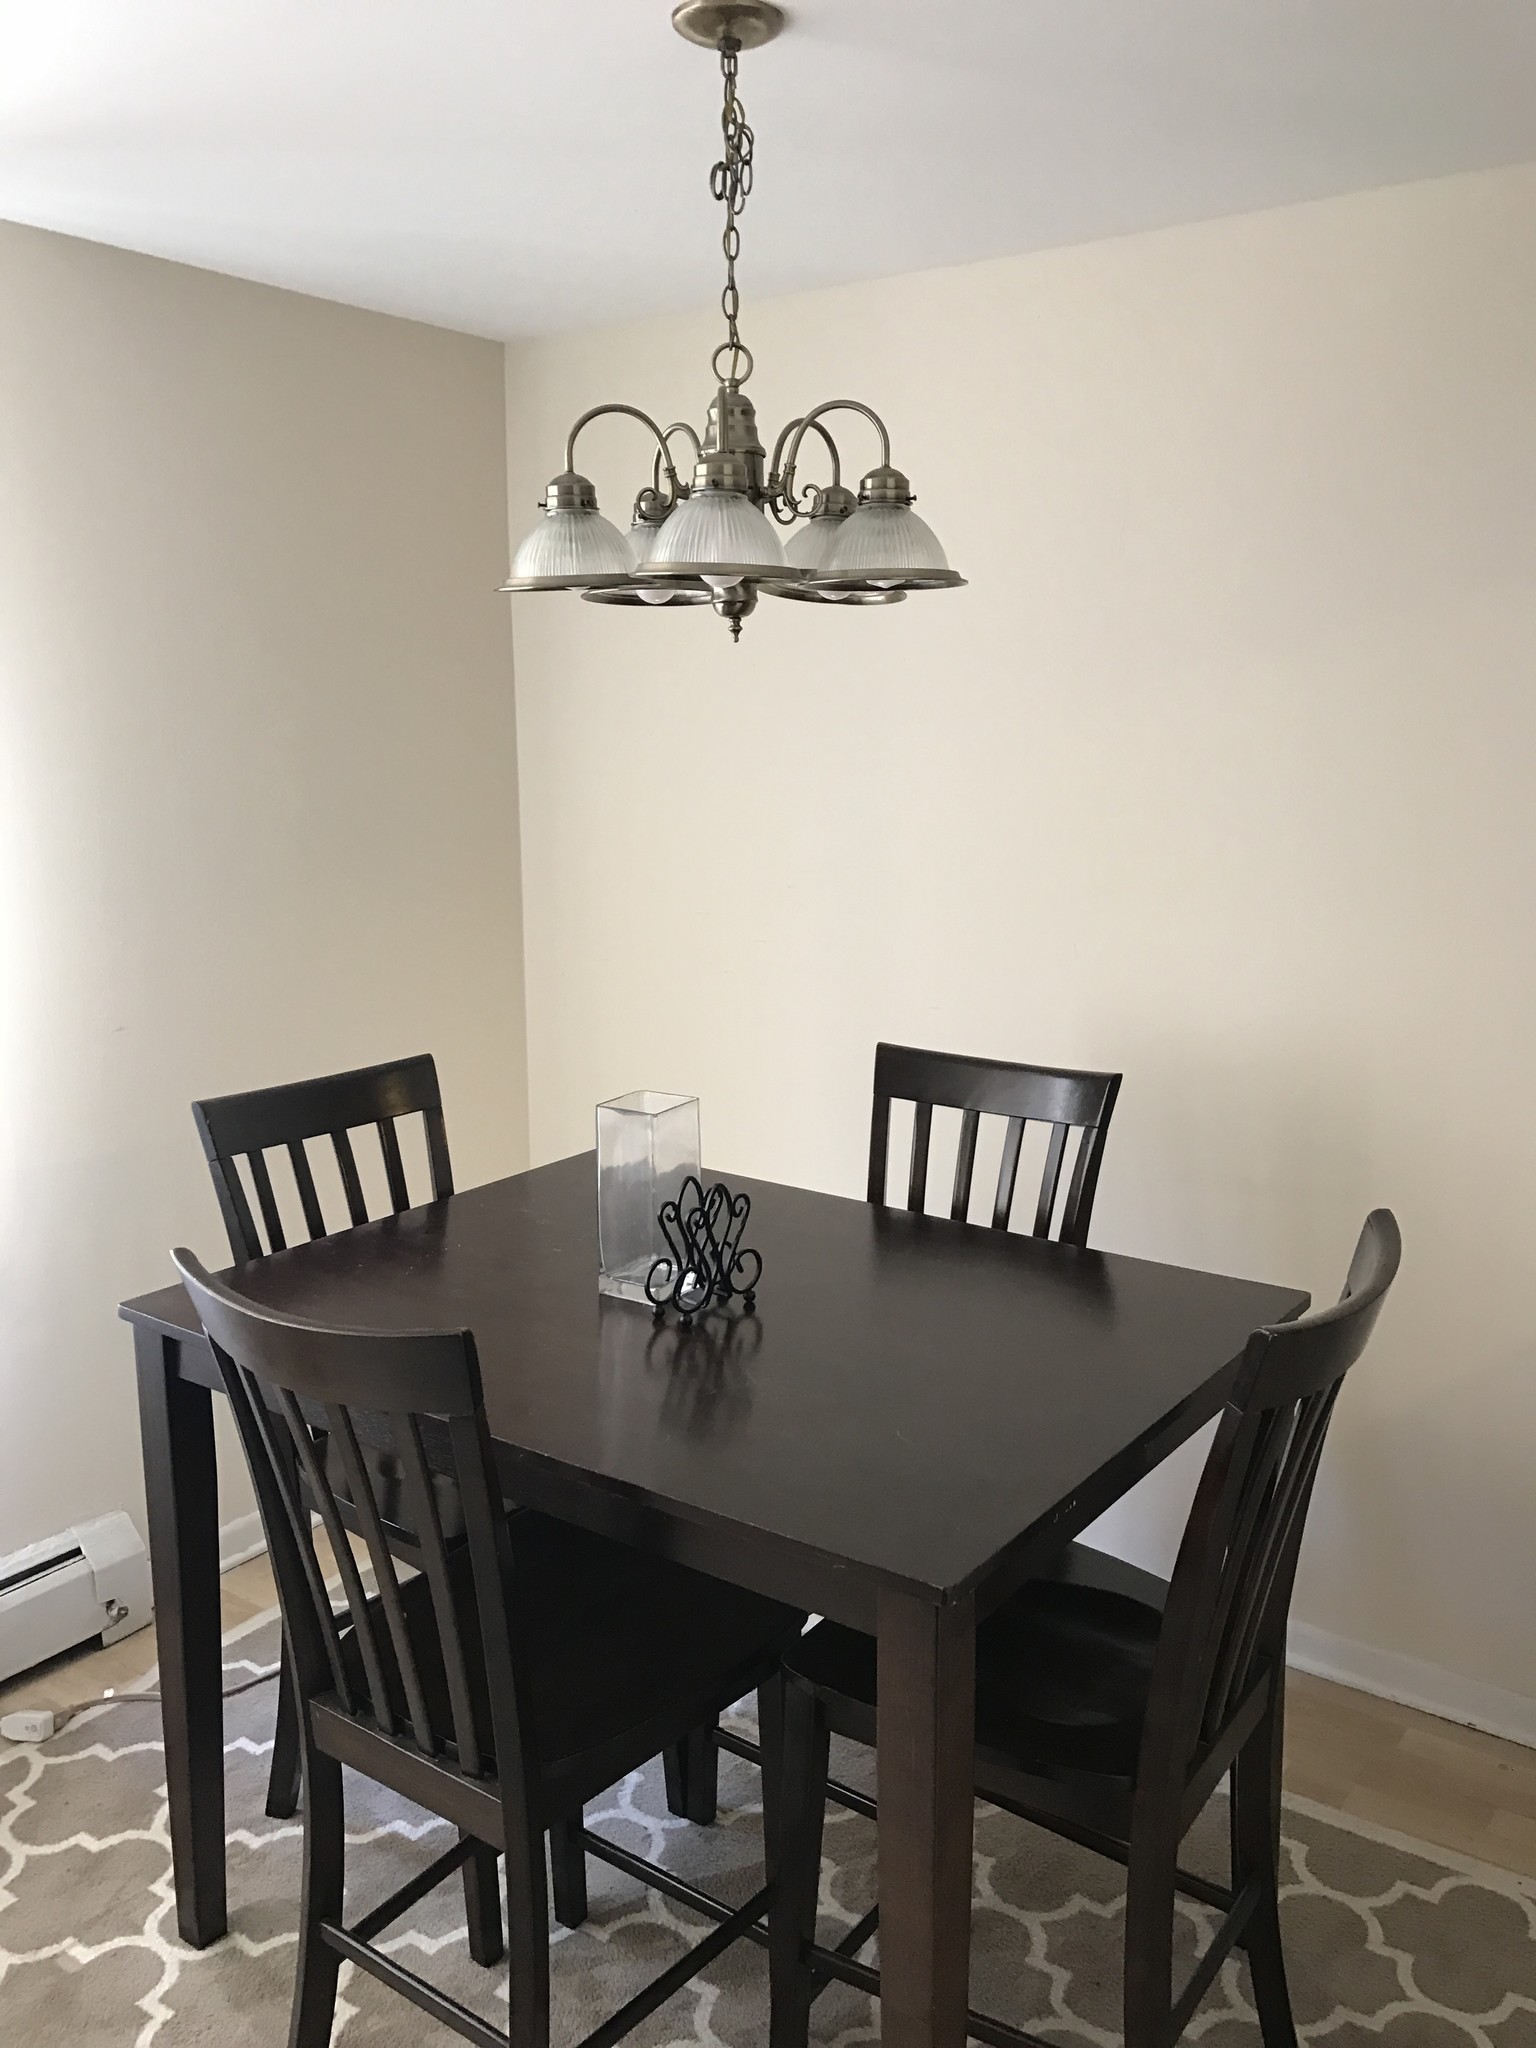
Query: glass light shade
[
  {"x": 570, "y": 546},
  {"x": 636, "y": 589},
  {"x": 713, "y": 530},
  {"x": 647, "y": 1145},
  {"x": 642, "y": 538},
  {"x": 813, "y": 545},
  {"x": 880, "y": 542}
]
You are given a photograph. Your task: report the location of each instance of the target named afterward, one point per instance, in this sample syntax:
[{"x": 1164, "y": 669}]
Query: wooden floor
[{"x": 1382, "y": 1763}]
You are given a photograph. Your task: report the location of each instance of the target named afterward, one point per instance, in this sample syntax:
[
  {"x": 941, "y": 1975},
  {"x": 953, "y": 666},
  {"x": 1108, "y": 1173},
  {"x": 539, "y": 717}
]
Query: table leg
[
  {"x": 181, "y": 1489},
  {"x": 926, "y": 1739}
]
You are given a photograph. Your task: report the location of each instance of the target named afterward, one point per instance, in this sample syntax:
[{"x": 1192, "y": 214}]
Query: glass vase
[{"x": 647, "y": 1145}]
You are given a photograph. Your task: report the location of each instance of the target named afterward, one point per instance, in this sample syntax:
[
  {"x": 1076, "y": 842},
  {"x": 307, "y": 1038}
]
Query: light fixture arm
[
  {"x": 785, "y": 480},
  {"x": 781, "y": 499},
  {"x": 682, "y": 427},
  {"x": 664, "y": 455},
  {"x": 649, "y": 502}
]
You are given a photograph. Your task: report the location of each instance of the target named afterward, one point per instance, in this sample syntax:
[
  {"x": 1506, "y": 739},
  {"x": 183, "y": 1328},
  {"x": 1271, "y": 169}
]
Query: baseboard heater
[{"x": 89, "y": 1583}]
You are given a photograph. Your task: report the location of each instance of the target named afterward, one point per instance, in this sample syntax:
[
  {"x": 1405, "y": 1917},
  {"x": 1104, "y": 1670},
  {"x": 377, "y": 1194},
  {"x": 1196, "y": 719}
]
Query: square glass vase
[{"x": 647, "y": 1145}]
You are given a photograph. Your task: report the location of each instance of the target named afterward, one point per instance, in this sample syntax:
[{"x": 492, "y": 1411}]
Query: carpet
[{"x": 1391, "y": 1944}]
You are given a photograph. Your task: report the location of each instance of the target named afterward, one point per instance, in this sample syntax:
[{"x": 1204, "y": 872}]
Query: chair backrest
[
  {"x": 247, "y": 1126},
  {"x": 311, "y": 1396},
  {"x": 1228, "y": 1601},
  {"x": 1065, "y": 1100}
]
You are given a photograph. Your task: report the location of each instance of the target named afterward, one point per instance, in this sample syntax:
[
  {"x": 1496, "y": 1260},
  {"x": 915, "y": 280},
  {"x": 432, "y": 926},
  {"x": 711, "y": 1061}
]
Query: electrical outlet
[{"x": 32, "y": 1724}]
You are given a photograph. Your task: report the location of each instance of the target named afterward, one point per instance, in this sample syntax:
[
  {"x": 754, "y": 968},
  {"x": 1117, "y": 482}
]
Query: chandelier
[{"x": 711, "y": 540}]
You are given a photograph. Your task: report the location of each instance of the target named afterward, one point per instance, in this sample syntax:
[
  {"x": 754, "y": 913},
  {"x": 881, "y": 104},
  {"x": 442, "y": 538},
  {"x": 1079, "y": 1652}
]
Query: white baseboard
[
  {"x": 1413, "y": 1683},
  {"x": 240, "y": 1540}
]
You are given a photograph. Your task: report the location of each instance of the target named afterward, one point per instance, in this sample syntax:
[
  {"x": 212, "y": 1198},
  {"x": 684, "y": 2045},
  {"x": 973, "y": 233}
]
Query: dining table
[{"x": 915, "y": 1415}]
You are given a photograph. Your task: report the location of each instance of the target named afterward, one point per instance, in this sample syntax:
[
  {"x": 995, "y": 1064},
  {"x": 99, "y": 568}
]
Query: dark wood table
[{"x": 917, "y": 1411}]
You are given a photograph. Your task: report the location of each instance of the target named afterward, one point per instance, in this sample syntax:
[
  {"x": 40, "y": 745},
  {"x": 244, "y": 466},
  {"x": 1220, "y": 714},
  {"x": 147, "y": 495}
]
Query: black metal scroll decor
[{"x": 705, "y": 1261}]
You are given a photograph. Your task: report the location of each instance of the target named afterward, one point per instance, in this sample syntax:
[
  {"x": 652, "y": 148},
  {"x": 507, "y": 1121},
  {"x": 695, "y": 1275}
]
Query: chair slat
[
  {"x": 965, "y": 1163},
  {"x": 879, "y": 1148},
  {"x": 297, "y": 1516},
  {"x": 437, "y": 1153},
  {"x": 394, "y": 1166},
  {"x": 1007, "y": 1173},
  {"x": 239, "y": 1223},
  {"x": 324, "y": 1499},
  {"x": 1083, "y": 1187},
  {"x": 360, "y": 1486},
  {"x": 1050, "y": 1180},
  {"x": 264, "y": 1195},
  {"x": 917, "y": 1179},
  {"x": 422, "y": 1507},
  {"x": 352, "y": 1185},
  {"x": 309, "y": 1200}
]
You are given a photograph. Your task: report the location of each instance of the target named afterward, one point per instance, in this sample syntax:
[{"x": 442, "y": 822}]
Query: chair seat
[
  {"x": 621, "y": 1643},
  {"x": 1063, "y": 1669}
]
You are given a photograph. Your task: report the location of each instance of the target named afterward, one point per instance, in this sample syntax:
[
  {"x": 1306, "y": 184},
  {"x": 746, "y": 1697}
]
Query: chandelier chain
[{"x": 730, "y": 181}]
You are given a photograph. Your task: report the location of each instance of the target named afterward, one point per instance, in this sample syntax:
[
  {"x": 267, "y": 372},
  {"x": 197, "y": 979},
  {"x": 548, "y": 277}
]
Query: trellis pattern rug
[{"x": 1391, "y": 1944}]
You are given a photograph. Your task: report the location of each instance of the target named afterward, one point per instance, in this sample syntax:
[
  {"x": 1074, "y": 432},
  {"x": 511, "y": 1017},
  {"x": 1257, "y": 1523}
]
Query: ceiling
[{"x": 523, "y": 166}]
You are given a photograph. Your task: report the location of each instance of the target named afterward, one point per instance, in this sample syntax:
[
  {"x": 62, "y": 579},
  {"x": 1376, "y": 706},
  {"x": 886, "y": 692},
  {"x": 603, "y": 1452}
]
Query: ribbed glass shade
[
  {"x": 575, "y": 544},
  {"x": 642, "y": 538},
  {"x": 716, "y": 528},
  {"x": 813, "y": 545},
  {"x": 885, "y": 540}
]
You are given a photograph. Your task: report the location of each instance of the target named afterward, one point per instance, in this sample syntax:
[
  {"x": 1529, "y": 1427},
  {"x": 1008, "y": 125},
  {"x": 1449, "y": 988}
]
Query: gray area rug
[{"x": 1391, "y": 1944}]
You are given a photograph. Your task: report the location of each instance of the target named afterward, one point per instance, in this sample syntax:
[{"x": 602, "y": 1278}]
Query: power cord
[{"x": 38, "y": 1724}]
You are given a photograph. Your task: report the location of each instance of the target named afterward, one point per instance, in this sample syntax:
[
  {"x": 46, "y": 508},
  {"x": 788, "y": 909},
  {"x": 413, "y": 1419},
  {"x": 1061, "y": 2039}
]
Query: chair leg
[
  {"x": 314, "y": 1990},
  {"x": 801, "y": 1806},
  {"x": 703, "y": 1777},
  {"x": 1256, "y": 1852},
  {"x": 286, "y": 1771},
  {"x": 527, "y": 1936},
  {"x": 482, "y": 1905},
  {"x": 770, "y": 1742},
  {"x": 1149, "y": 1910},
  {"x": 692, "y": 1769},
  {"x": 568, "y": 1871},
  {"x": 674, "y": 1764}
]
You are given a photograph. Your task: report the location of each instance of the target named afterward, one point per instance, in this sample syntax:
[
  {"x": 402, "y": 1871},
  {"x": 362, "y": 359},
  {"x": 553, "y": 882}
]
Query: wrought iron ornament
[{"x": 705, "y": 1261}]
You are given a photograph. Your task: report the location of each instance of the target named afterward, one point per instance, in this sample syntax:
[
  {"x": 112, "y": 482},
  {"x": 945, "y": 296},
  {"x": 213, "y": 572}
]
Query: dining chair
[
  {"x": 1059, "y": 1096},
  {"x": 1110, "y": 1704},
  {"x": 509, "y": 1680},
  {"x": 1066, "y": 1100},
  {"x": 238, "y": 1134}
]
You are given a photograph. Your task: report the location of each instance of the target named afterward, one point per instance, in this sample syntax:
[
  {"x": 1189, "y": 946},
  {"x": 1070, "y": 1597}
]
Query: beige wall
[
  {"x": 258, "y": 814},
  {"x": 1219, "y": 773}
]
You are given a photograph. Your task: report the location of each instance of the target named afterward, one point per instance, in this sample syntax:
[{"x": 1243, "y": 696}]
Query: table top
[{"x": 911, "y": 1397}]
